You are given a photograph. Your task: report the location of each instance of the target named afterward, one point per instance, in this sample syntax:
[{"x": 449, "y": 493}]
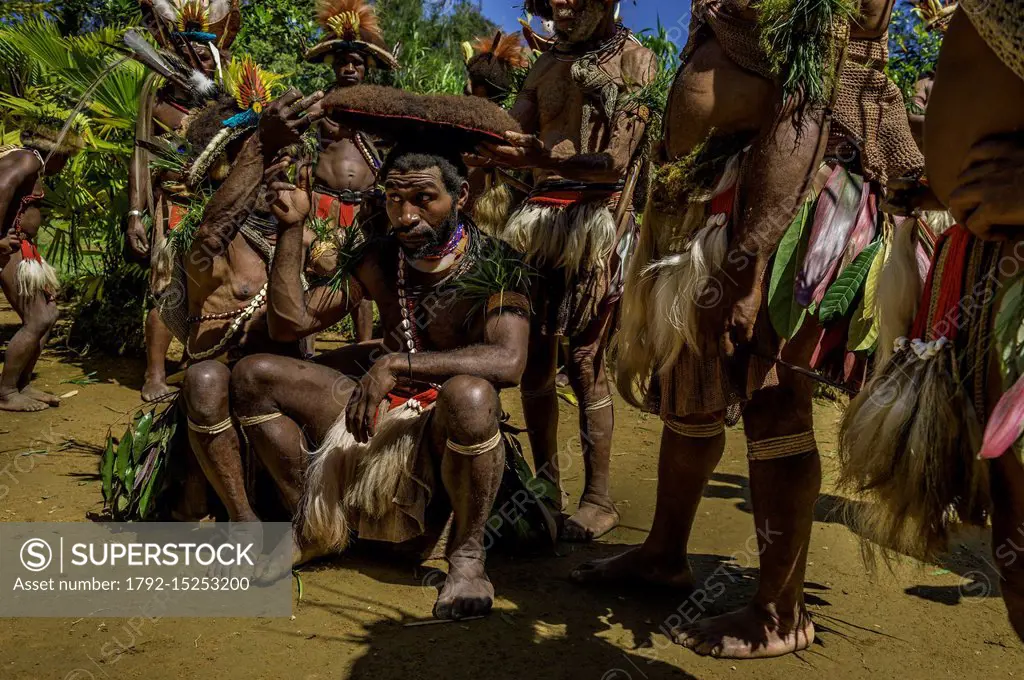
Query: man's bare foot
[
  {"x": 16, "y": 401},
  {"x": 635, "y": 567},
  {"x": 467, "y": 591},
  {"x": 155, "y": 388},
  {"x": 41, "y": 396},
  {"x": 749, "y": 633},
  {"x": 593, "y": 519}
]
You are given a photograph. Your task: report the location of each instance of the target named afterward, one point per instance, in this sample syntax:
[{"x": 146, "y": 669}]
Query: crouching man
[{"x": 415, "y": 434}]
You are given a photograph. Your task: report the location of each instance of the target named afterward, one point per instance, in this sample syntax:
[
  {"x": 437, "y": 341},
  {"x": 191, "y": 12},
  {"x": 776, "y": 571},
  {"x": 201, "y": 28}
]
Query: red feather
[
  {"x": 839, "y": 205},
  {"x": 1005, "y": 424}
]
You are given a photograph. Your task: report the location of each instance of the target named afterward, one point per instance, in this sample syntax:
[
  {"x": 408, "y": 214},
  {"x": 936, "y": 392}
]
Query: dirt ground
[{"x": 919, "y": 621}]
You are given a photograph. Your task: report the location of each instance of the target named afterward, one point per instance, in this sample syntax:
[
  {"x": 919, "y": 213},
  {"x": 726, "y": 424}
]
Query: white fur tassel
[
  {"x": 36, "y": 277},
  {"x": 344, "y": 474},
  {"x": 899, "y": 291},
  {"x": 578, "y": 237}
]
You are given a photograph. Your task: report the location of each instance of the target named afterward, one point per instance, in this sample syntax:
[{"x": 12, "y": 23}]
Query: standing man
[
  {"x": 760, "y": 100},
  {"x": 957, "y": 370},
  {"x": 29, "y": 283},
  {"x": 348, "y": 163},
  {"x": 200, "y": 35},
  {"x": 583, "y": 142}
]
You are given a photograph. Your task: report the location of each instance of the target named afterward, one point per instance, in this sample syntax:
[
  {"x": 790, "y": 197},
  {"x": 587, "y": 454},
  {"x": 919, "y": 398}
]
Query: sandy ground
[{"x": 919, "y": 621}]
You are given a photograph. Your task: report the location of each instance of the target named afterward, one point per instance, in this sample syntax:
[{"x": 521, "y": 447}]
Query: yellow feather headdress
[{"x": 350, "y": 24}]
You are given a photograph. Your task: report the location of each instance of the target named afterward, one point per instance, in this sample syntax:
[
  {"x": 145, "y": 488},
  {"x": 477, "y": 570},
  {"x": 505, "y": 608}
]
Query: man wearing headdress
[
  {"x": 583, "y": 131},
  {"x": 347, "y": 162},
  {"x": 411, "y": 433},
  {"x": 199, "y": 33},
  {"x": 29, "y": 283},
  {"x": 944, "y": 412},
  {"x": 216, "y": 299},
  {"x": 780, "y": 135},
  {"x": 493, "y": 66}
]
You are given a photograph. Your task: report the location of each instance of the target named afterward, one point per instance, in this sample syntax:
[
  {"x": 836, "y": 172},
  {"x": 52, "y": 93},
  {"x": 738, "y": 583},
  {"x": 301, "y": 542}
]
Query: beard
[
  {"x": 439, "y": 237},
  {"x": 586, "y": 21}
]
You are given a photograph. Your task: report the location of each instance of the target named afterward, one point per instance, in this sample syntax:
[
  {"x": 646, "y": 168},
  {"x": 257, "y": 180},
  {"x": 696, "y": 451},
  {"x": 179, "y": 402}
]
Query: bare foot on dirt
[
  {"x": 467, "y": 591},
  {"x": 155, "y": 388},
  {"x": 593, "y": 519},
  {"x": 16, "y": 401},
  {"x": 41, "y": 396},
  {"x": 635, "y": 567},
  {"x": 749, "y": 633}
]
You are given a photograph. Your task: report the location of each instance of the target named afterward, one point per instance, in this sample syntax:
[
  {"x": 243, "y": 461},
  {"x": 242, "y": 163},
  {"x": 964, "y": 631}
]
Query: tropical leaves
[
  {"x": 132, "y": 466},
  {"x": 786, "y": 314},
  {"x": 841, "y": 294}
]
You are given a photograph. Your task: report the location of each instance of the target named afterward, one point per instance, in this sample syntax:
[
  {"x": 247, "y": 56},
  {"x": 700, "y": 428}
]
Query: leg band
[
  {"x": 252, "y": 421},
  {"x": 782, "y": 447},
  {"x": 600, "y": 404},
  {"x": 475, "y": 449},
  {"x": 696, "y": 430},
  {"x": 222, "y": 426}
]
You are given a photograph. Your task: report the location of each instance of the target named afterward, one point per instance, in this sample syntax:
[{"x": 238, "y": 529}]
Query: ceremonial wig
[
  {"x": 351, "y": 25},
  {"x": 492, "y": 62},
  {"x": 454, "y": 122},
  {"x": 542, "y": 8}
]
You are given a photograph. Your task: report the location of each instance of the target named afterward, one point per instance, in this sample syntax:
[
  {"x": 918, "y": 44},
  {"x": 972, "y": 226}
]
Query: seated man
[{"x": 416, "y": 433}]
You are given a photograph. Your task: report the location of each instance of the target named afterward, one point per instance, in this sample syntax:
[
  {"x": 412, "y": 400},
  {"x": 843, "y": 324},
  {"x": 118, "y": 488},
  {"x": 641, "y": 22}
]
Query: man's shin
[{"x": 471, "y": 474}]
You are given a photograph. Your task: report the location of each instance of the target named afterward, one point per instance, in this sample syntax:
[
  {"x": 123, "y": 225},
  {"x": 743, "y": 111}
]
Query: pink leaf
[
  {"x": 1005, "y": 424},
  {"x": 839, "y": 205}
]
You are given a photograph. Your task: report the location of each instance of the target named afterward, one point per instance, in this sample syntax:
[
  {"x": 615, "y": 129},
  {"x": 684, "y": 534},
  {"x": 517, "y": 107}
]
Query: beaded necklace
[{"x": 407, "y": 303}]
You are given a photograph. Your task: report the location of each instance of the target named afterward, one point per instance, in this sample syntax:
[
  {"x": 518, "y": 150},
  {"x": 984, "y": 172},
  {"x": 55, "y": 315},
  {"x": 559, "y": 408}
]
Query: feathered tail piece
[
  {"x": 899, "y": 291},
  {"x": 35, "y": 275},
  {"x": 660, "y": 300},
  {"x": 907, "y": 442}
]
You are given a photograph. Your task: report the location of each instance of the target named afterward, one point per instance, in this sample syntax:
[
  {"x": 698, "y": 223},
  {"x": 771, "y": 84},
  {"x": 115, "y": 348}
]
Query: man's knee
[
  {"x": 471, "y": 409},
  {"x": 205, "y": 386},
  {"x": 41, "y": 318},
  {"x": 253, "y": 378}
]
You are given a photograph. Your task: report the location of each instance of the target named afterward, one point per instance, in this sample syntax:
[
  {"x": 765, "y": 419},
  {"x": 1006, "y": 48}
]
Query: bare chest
[{"x": 342, "y": 166}]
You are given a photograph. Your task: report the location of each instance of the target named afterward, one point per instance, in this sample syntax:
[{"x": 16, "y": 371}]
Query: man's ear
[{"x": 463, "y": 195}]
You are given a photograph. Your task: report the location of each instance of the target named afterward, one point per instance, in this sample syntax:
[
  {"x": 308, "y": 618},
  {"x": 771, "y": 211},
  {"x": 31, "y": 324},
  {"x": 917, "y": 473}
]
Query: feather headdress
[
  {"x": 203, "y": 21},
  {"x": 492, "y": 63},
  {"x": 936, "y": 14},
  {"x": 350, "y": 25}
]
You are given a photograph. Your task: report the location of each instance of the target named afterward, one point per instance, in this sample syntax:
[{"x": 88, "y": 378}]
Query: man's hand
[
  {"x": 289, "y": 202},
  {"x": 906, "y": 195},
  {"x": 138, "y": 240},
  {"x": 366, "y": 398},
  {"x": 988, "y": 197},
  {"x": 286, "y": 118},
  {"x": 9, "y": 244},
  {"x": 522, "y": 152},
  {"x": 729, "y": 303}
]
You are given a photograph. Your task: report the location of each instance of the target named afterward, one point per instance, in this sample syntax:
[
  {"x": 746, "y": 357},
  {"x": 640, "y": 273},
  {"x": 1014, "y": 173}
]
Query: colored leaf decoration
[
  {"x": 1005, "y": 423},
  {"x": 1009, "y": 332},
  {"x": 864, "y": 326},
  {"x": 835, "y": 216},
  {"x": 841, "y": 294},
  {"x": 785, "y": 313}
]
